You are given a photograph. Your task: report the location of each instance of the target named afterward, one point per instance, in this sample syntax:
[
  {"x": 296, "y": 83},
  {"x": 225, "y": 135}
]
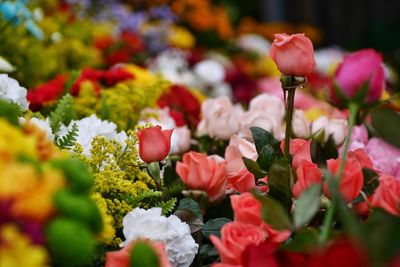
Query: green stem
[
  {"x": 289, "y": 116},
  {"x": 326, "y": 227},
  {"x": 353, "y": 111}
]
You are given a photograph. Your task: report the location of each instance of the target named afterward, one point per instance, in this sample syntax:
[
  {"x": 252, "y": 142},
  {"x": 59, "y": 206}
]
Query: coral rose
[
  {"x": 293, "y": 54},
  {"x": 204, "y": 173},
  {"x": 387, "y": 195},
  {"x": 307, "y": 174},
  {"x": 352, "y": 180},
  {"x": 154, "y": 144},
  {"x": 300, "y": 149},
  {"x": 247, "y": 209},
  {"x": 121, "y": 258},
  {"x": 235, "y": 237}
]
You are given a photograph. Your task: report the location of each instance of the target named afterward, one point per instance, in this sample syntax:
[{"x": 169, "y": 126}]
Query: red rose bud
[
  {"x": 154, "y": 144},
  {"x": 293, "y": 54},
  {"x": 360, "y": 77}
]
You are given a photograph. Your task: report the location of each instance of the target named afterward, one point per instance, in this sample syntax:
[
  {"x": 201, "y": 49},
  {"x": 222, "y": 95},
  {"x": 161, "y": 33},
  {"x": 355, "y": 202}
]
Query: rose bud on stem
[
  {"x": 294, "y": 57},
  {"x": 359, "y": 83},
  {"x": 154, "y": 146}
]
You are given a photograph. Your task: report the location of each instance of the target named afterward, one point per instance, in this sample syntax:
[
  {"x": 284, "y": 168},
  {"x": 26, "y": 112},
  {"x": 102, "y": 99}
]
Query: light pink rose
[
  {"x": 268, "y": 103},
  {"x": 385, "y": 157},
  {"x": 221, "y": 118},
  {"x": 180, "y": 140},
  {"x": 239, "y": 178},
  {"x": 355, "y": 70},
  {"x": 335, "y": 127},
  {"x": 293, "y": 54},
  {"x": 260, "y": 119},
  {"x": 300, "y": 125}
]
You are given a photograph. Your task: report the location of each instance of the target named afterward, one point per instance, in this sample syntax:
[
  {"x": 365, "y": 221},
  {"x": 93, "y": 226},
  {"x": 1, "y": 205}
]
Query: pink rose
[
  {"x": 268, "y": 103},
  {"x": 204, "y": 173},
  {"x": 121, "y": 258},
  {"x": 300, "y": 125},
  {"x": 235, "y": 237},
  {"x": 154, "y": 144},
  {"x": 387, "y": 195},
  {"x": 239, "y": 178},
  {"x": 221, "y": 118},
  {"x": 336, "y": 128},
  {"x": 300, "y": 149},
  {"x": 307, "y": 174},
  {"x": 358, "y": 139},
  {"x": 357, "y": 69},
  {"x": 247, "y": 209},
  {"x": 352, "y": 180},
  {"x": 293, "y": 54},
  {"x": 238, "y": 148},
  {"x": 180, "y": 140},
  {"x": 385, "y": 157}
]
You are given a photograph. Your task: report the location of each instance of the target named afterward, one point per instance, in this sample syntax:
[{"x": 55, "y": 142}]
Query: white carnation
[
  {"x": 89, "y": 128},
  {"x": 11, "y": 91},
  {"x": 44, "y": 125},
  {"x": 180, "y": 245}
]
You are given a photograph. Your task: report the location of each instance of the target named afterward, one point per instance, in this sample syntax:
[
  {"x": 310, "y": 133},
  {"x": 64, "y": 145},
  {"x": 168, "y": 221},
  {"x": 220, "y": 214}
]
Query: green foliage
[
  {"x": 142, "y": 254},
  {"x": 254, "y": 168},
  {"x": 262, "y": 138},
  {"x": 142, "y": 196},
  {"x": 307, "y": 205},
  {"x": 190, "y": 205},
  {"x": 213, "y": 227},
  {"x": 266, "y": 157},
  {"x": 10, "y": 112},
  {"x": 279, "y": 177},
  {"x": 274, "y": 213},
  {"x": 386, "y": 123},
  {"x": 303, "y": 241},
  {"x": 167, "y": 206},
  {"x": 63, "y": 114},
  {"x": 322, "y": 151},
  {"x": 69, "y": 139}
]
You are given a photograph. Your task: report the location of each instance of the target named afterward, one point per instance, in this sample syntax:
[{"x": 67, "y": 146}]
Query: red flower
[
  {"x": 352, "y": 180},
  {"x": 154, "y": 144},
  {"x": 307, "y": 174},
  {"x": 46, "y": 93},
  {"x": 300, "y": 149},
  {"x": 387, "y": 195},
  {"x": 179, "y": 99},
  {"x": 342, "y": 253},
  {"x": 116, "y": 75}
]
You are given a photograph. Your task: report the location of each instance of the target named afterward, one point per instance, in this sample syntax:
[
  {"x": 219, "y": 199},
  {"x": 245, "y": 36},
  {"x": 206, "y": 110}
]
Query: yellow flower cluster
[
  {"x": 19, "y": 250},
  {"x": 122, "y": 103},
  {"x": 118, "y": 181},
  {"x": 68, "y": 47}
]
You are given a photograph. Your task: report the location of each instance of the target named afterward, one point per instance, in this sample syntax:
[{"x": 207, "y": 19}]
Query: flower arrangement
[{"x": 143, "y": 147}]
